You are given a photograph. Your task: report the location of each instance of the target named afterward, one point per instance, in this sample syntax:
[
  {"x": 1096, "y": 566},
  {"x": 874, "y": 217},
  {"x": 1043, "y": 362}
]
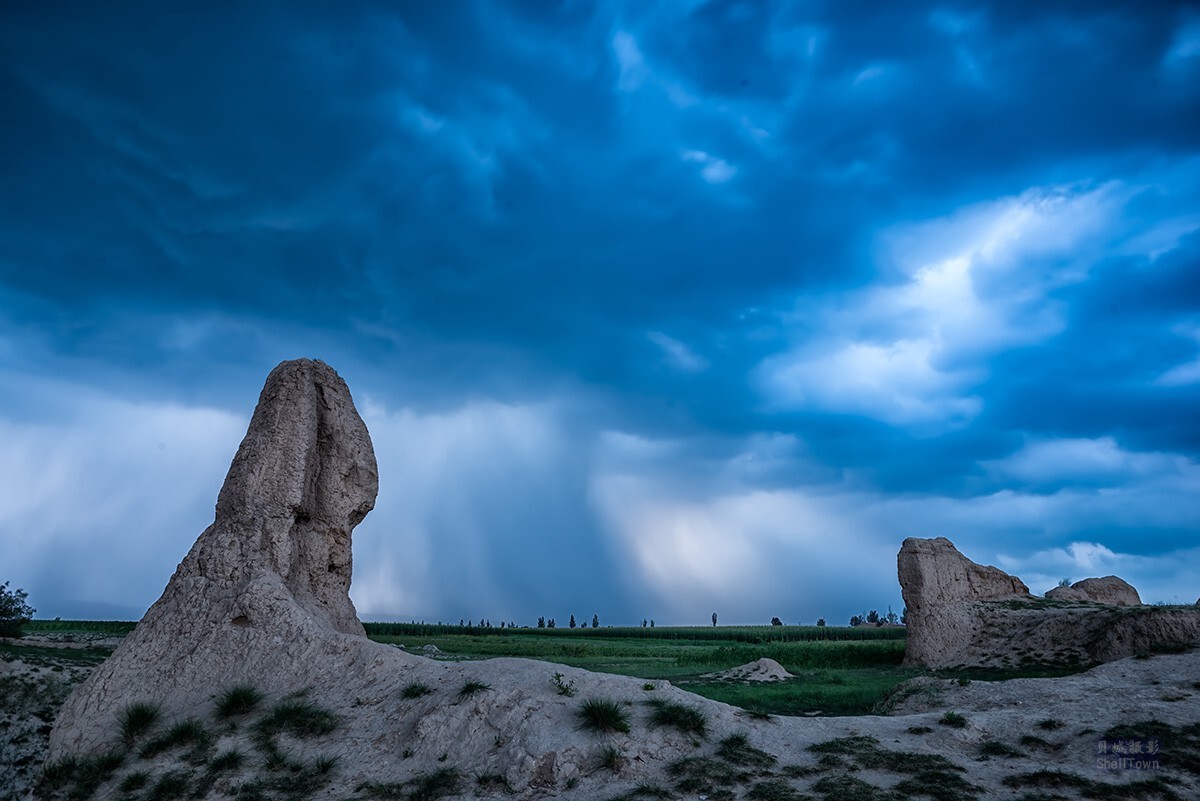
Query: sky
[{"x": 652, "y": 309}]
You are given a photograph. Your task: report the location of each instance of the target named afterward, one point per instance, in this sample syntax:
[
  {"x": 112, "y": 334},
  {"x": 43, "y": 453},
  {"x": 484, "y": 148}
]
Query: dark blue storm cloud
[{"x": 649, "y": 306}]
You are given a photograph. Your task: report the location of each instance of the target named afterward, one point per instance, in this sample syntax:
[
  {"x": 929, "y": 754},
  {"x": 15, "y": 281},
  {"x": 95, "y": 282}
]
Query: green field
[{"x": 839, "y": 671}]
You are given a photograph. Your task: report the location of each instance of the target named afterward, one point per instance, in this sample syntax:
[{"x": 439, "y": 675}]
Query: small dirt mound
[{"x": 762, "y": 670}]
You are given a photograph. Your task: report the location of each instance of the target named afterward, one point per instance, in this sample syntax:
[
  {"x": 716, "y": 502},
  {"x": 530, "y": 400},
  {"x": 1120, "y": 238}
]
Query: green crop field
[
  {"x": 839, "y": 670},
  {"x": 116, "y": 628}
]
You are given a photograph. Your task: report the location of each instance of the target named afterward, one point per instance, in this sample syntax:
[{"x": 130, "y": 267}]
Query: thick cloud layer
[{"x": 651, "y": 308}]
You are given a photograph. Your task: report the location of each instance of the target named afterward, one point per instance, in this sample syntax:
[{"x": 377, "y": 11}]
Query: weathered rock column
[
  {"x": 264, "y": 590},
  {"x": 937, "y": 583}
]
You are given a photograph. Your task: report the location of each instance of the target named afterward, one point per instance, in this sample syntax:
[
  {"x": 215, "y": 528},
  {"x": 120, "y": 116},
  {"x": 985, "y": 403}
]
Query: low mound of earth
[
  {"x": 251, "y": 678},
  {"x": 1020, "y": 736},
  {"x": 1110, "y": 590},
  {"x": 961, "y": 614},
  {"x": 764, "y": 669}
]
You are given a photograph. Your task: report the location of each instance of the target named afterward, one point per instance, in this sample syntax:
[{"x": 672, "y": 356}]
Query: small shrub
[
  {"x": 472, "y": 688},
  {"x": 239, "y": 700},
  {"x": 603, "y": 716},
  {"x": 1050, "y": 724},
  {"x": 566, "y": 688},
  {"x": 953, "y": 719},
  {"x": 137, "y": 719},
  {"x": 650, "y": 686},
  {"x": 919, "y": 729},
  {"x": 415, "y": 690},
  {"x": 14, "y": 612},
  {"x": 685, "y": 718}
]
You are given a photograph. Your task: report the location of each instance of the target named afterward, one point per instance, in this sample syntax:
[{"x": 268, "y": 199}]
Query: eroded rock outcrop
[
  {"x": 1108, "y": 589},
  {"x": 939, "y": 586},
  {"x": 264, "y": 590},
  {"x": 964, "y": 614}
]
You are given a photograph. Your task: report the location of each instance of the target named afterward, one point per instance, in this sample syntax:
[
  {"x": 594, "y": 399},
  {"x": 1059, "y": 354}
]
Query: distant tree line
[{"x": 873, "y": 618}]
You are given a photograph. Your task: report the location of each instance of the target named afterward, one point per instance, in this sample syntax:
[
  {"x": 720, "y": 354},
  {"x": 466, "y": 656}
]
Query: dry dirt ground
[
  {"x": 1125, "y": 730},
  {"x": 35, "y": 678}
]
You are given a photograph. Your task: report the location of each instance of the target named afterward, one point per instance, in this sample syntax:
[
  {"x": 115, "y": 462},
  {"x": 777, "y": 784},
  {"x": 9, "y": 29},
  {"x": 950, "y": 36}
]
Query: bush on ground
[{"x": 14, "y": 612}]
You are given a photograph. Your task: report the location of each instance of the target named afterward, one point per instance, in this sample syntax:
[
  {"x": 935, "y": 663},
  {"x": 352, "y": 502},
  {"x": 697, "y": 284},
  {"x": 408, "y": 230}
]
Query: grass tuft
[
  {"x": 866, "y": 752},
  {"x": 688, "y": 720},
  {"x": 1033, "y": 741},
  {"x": 643, "y": 791},
  {"x": 953, "y": 719},
  {"x": 848, "y": 788},
  {"x": 1050, "y": 724},
  {"x": 774, "y": 790},
  {"x": 610, "y": 758},
  {"x": 171, "y": 785},
  {"x": 415, "y": 690},
  {"x": 185, "y": 732},
  {"x": 736, "y": 750},
  {"x": 134, "y": 781},
  {"x": 301, "y": 719},
  {"x": 90, "y": 772},
  {"x": 995, "y": 748},
  {"x": 227, "y": 761},
  {"x": 938, "y": 785},
  {"x": 57, "y": 773},
  {"x": 706, "y": 776},
  {"x": 603, "y": 716},
  {"x": 472, "y": 688},
  {"x": 424, "y": 787},
  {"x": 494, "y": 781},
  {"x": 238, "y": 700},
  {"x": 137, "y": 719}
]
